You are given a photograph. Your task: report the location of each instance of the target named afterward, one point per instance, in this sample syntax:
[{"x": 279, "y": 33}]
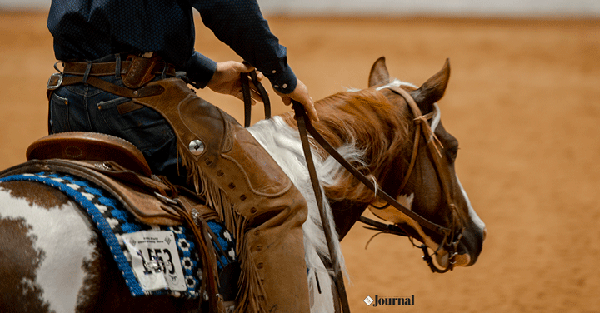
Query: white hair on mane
[
  {"x": 437, "y": 116},
  {"x": 283, "y": 143},
  {"x": 396, "y": 83}
]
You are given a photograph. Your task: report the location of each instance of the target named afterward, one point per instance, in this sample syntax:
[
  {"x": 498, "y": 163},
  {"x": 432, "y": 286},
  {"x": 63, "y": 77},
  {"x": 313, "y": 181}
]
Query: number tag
[{"x": 155, "y": 260}]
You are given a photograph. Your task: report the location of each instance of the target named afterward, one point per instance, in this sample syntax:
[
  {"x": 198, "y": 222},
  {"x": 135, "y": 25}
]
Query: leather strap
[
  {"x": 246, "y": 92},
  {"x": 146, "y": 91},
  {"x": 303, "y": 125},
  {"x": 110, "y": 68}
]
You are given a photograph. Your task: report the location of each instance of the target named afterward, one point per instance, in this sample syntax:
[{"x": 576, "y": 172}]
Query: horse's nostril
[{"x": 484, "y": 233}]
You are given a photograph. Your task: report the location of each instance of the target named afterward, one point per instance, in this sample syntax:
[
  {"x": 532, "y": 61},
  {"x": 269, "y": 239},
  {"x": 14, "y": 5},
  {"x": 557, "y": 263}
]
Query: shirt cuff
[
  {"x": 281, "y": 76},
  {"x": 200, "y": 69}
]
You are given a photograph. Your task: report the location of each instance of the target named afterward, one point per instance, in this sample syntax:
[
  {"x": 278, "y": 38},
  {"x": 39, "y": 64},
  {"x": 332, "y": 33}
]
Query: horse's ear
[
  {"x": 379, "y": 73},
  {"x": 433, "y": 89}
]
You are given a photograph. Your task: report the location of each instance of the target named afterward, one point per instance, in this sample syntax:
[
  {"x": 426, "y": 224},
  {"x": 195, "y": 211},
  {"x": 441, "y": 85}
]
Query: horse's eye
[{"x": 452, "y": 153}]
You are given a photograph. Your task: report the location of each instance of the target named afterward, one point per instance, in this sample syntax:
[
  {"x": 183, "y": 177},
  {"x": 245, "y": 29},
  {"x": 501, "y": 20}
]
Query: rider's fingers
[
  {"x": 244, "y": 67},
  {"x": 259, "y": 76},
  {"x": 255, "y": 97},
  {"x": 311, "y": 111}
]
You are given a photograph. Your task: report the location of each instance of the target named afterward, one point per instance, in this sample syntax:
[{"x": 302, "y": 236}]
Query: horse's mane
[{"x": 368, "y": 130}]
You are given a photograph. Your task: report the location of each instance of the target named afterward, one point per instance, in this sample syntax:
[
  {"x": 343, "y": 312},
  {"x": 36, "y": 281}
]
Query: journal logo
[{"x": 389, "y": 300}]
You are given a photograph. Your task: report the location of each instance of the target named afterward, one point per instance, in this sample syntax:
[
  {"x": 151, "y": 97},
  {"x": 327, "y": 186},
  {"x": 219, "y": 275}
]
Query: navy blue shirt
[{"x": 91, "y": 29}]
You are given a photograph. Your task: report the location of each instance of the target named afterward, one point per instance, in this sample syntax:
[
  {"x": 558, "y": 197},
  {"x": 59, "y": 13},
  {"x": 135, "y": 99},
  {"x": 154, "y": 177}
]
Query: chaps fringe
[{"x": 250, "y": 288}]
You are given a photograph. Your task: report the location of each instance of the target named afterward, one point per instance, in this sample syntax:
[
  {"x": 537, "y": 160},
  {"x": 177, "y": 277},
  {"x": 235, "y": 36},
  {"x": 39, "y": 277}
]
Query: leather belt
[
  {"x": 111, "y": 68},
  {"x": 135, "y": 71}
]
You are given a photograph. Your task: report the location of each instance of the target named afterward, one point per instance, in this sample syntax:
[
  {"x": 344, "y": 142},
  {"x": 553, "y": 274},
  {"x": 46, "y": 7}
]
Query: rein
[
  {"x": 246, "y": 92},
  {"x": 302, "y": 128}
]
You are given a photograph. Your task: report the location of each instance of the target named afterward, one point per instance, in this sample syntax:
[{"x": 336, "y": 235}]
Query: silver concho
[{"x": 196, "y": 146}]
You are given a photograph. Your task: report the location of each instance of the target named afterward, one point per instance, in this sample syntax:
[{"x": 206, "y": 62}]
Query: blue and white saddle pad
[{"x": 153, "y": 260}]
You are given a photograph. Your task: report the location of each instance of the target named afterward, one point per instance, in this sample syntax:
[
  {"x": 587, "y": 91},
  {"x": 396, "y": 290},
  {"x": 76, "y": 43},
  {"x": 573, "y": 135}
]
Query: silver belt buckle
[{"x": 54, "y": 81}]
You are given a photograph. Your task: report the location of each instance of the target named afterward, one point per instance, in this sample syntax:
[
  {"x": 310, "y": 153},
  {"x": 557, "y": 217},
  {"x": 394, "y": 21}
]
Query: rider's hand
[
  {"x": 226, "y": 80},
  {"x": 300, "y": 94}
]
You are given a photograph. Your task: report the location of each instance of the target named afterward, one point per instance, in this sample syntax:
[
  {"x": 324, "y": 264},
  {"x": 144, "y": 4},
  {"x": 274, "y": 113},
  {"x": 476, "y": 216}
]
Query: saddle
[
  {"x": 89, "y": 146},
  {"x": 120, "y": 168}
]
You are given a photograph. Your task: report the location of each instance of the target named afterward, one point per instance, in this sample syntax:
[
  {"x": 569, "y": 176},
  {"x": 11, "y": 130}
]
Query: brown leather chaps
[{"x": 252, "y": 195}]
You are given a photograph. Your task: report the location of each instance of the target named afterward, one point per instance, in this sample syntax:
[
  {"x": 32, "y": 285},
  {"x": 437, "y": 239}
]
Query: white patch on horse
[
  {"x": 64, "y": 236},
  {"x": 472, "y": 214},
  {"x": 406, "y": 200},
  {"x": 437, "y": 116},
  {"x": 283, "y": 143},
  {"x": 396, "y": 83}
]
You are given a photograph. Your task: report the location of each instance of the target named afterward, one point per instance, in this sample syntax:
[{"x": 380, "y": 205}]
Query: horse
[{"x": 52, "y": 258}]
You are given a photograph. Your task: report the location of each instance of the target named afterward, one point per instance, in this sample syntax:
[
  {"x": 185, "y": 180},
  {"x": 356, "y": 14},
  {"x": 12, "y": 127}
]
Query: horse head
[{"x": 424, "y": 180}]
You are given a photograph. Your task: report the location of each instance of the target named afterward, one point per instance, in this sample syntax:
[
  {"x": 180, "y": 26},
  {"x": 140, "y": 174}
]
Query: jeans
[{"x": 83, "y": 108}]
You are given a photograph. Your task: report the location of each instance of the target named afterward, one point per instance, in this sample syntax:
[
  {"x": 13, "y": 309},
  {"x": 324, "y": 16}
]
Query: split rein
[{"x": 451, "y": 239}]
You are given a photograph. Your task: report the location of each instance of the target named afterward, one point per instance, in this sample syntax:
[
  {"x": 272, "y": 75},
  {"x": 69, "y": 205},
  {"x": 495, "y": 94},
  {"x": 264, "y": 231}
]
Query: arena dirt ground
[{"x": 523, "y": 100}]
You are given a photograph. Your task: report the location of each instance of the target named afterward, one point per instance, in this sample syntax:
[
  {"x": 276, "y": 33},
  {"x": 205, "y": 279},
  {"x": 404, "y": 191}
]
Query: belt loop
[
  {"x": 56, "y": 66},
  {"x": 87, "y": 72},
  {"x": 164, "y": 71},
  {"x": 118, "y": 65}
]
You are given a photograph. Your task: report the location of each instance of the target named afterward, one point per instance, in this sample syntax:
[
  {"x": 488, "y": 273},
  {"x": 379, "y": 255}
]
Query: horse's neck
[
  {"x": 345, "y": 215},
  {"x": 370, "y": 132},
  {"x": 364, "y": 127}
]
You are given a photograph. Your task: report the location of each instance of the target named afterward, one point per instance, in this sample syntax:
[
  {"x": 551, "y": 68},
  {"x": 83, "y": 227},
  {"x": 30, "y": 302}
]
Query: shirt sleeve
[
  {"x": 240, "y": 25},
  {"x": 200, "y": 69}
]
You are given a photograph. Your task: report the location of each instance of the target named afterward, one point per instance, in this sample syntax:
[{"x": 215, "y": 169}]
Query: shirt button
[
  {"x": 284, "y": 85},
  {"x": 273, "y": 71}
]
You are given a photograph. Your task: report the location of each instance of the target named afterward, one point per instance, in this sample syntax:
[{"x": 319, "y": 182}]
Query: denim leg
[
  {"x": 68, "y": 111},
  {"x": 85, "y": 108}
]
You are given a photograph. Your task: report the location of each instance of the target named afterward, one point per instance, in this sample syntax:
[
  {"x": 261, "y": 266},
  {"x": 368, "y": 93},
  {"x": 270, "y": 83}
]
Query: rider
[{"x": 113, "y": 49}]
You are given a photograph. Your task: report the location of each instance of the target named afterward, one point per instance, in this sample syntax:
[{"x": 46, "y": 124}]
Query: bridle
[{"x": 451, "y": 236}]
